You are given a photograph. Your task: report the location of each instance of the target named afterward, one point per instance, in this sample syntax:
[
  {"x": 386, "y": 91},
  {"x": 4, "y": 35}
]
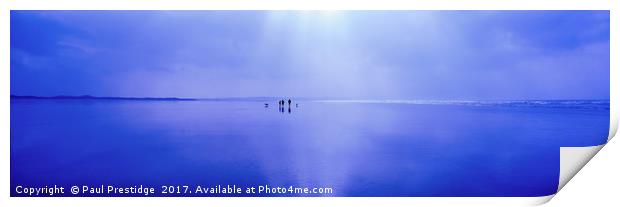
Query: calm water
[{"x": 358, "y": 148}]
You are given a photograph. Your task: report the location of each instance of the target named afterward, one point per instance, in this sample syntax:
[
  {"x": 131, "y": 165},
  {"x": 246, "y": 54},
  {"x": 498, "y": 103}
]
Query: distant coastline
[
  {"x": 331, "y": 100},
  {"x": 574, "y": 104},
  {"x": 88, "y": 97}
]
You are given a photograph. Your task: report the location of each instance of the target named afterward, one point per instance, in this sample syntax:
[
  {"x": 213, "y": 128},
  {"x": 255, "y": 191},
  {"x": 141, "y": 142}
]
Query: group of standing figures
[{"x": 282, "y": 104}]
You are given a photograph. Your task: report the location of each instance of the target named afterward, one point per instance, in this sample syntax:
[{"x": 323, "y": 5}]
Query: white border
[{"x": 6, "y": 6}]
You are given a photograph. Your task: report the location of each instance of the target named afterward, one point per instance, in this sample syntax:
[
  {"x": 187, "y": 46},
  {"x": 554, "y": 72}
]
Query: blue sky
[{"x": 327, "y": 54}]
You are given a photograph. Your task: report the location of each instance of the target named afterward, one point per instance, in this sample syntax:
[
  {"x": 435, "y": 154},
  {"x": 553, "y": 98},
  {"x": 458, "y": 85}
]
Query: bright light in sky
[{"x": 333, "y": 54}]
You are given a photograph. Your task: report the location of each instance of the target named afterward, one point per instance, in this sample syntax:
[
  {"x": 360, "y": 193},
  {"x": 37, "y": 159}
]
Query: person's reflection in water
[{"x": 289, "y": 109}]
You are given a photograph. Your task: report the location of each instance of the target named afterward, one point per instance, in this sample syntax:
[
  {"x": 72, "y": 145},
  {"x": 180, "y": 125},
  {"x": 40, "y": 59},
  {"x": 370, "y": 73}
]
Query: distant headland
[{"x": 88, "y": 97}]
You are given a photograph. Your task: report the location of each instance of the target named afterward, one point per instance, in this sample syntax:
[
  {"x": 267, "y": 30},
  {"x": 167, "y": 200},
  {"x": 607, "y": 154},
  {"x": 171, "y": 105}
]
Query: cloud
[{"x": 354, "y": 54}]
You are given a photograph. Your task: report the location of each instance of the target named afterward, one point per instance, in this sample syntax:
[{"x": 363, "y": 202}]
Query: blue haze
[
  {"x": 469, "y": 55},
  {"x": 403, "y": 103}
]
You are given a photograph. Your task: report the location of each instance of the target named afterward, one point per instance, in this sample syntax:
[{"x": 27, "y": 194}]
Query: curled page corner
[{"x": 573, "y": 159}]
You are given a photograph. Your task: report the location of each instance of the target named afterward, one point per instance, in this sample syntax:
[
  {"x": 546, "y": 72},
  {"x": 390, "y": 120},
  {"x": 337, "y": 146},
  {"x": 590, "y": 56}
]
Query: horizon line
[{"x": 262, "y": 98}]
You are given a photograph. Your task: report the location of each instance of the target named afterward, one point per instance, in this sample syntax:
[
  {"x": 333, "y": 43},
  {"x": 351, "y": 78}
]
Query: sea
[{"x": 351, "y": 147}]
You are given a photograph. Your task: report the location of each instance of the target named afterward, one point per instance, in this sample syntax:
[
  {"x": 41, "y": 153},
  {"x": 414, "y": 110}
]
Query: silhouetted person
[{"x": 289, "y": 103}]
